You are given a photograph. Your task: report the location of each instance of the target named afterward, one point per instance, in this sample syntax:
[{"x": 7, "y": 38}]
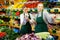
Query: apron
[
  {"x": 41, "y": 25},
  {"x": 26, "y": 28}
]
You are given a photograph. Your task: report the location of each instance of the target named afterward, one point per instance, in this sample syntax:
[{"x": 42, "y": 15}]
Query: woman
[
  {"x": 41, "y": 19},
  {"x": 25, "y": 21}
]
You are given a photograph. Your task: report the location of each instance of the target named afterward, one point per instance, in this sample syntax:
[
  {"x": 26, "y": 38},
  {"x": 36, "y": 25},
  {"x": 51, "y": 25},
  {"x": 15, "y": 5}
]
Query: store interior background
[{"x": 10, "y": 11}]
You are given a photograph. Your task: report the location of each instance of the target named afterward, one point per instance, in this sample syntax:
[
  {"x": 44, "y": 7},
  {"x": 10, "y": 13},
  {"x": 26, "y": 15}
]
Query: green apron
[
  {"x": 26, "y": 28},
  {"x": 41, "y": 25}
]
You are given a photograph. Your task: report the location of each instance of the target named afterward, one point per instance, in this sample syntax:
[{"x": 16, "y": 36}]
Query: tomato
[
  {"x": 17, "y": 13},
  {"x": 32, "y": 5},
  {"x": 2, "y": 34}
]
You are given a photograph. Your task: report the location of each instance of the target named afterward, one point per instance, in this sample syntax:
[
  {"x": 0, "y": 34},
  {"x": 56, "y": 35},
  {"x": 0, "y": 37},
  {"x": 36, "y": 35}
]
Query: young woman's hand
[
  {"x": 27, "y": 19},
  {"x": 34, "y": 22}
]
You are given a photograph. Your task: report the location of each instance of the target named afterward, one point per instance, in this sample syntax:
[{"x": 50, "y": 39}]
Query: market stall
[{"x": 10, "y": 11}]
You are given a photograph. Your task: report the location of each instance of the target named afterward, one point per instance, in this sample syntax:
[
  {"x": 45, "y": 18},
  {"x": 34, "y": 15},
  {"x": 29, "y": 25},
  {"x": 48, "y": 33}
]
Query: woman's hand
[
  {"x": 54, "y": 17},
  {"x": 49, "y": 26},
  {"x": 34, "y": 22},
  {"x": 27, "y": 19}
]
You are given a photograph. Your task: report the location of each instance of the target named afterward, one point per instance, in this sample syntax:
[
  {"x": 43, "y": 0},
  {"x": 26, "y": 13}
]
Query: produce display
[
  {"x": 31, "y": 36},
  {"x": 7, "y": 34},
  {"x": 55, "y": 10},
  {"x": 1, "y": 21},
  {"x": 55, "y": 31},
  {"x": 2, "y": 34},
  {"x": 32, "y": 4},
  {"x": 10, "y": 11},
  {"x": 18, "y": 5},
  {"x": 34, "y": 36},
  {"x": 43, "y": 34},
  {"x": 14, "y": 23}
]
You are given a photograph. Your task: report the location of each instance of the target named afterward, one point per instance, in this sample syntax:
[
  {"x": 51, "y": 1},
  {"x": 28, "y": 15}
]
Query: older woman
[{"x": 41, "y": 19}]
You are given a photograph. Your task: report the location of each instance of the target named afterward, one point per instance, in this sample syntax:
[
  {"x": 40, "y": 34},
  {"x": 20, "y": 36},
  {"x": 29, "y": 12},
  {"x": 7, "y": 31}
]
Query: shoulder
[
  {"x": 30, "y": 14},
  {"x": 21, "y": 14},
  {"x": 45, "y": 11}
]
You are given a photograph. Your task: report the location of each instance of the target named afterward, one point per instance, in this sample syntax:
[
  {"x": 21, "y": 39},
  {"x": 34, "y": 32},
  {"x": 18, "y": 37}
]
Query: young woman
[{"x": 25, "y": 21}]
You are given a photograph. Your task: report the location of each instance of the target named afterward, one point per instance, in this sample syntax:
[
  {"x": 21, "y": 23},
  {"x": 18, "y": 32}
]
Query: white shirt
[
  {"x": 50, "y": 20},
  {"x": 23, "y": 20}
]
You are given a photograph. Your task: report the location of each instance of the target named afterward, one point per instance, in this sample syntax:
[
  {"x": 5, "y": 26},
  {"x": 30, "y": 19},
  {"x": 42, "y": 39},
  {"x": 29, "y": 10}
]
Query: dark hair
[{"x": 24, "y": 7}]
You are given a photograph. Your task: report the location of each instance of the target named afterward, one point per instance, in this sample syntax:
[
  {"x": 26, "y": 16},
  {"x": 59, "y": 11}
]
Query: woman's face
[
  {"x": 26, "y": 10},
  {"x": 40, "y": 7}
]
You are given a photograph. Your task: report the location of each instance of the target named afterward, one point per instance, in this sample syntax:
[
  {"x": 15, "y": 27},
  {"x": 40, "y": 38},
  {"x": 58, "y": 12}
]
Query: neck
[
  {"x": 26, "y": 12},
  {"x": 39, "y": 10}
]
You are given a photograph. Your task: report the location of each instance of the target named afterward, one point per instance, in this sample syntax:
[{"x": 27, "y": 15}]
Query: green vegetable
[{"x": 11, "y": 35}]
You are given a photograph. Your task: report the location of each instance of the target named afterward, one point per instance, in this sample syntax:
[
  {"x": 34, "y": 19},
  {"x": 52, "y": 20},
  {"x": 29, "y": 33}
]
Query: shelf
[
  {"x": 13, "y": 17},
  {"x": 13, "y": 26},
  {"x": 57, "y": 21}
]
